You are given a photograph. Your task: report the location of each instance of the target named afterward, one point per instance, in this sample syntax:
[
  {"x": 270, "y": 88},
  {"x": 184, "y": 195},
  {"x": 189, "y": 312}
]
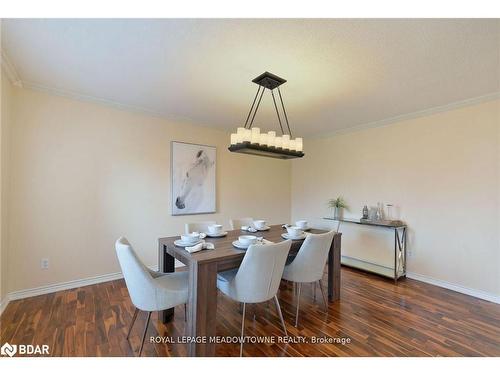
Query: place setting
[
  {"x": 216, "y": 231},
  {"x": 193, "y": 242},
  {"x": 296, "y": 232},
  {"x": 257, "y": 226},
  {"x": 243, "y": 242}
]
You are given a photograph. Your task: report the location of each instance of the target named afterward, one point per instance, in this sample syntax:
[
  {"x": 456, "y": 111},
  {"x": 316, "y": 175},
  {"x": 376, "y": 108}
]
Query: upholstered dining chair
[
  {"x": 309, "y": 264},
  {"x": 149, "y": 290},
  {"x": 238, "y": 223},
  {"x": 258, "y": 278},
  {"x": 201, "y": 226}
]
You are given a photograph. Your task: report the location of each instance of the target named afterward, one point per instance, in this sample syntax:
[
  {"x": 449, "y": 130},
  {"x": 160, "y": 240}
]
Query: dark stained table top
[{"x": 224, "y": 249}]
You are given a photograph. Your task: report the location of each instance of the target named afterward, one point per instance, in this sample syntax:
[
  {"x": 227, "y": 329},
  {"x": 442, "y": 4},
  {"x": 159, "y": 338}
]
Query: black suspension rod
[
  {"x": 256, "y": 108},
  {"x": 277, "y": 112},
  {"x": 251, "y": 108},
  {"x": 284, "y": 111}
]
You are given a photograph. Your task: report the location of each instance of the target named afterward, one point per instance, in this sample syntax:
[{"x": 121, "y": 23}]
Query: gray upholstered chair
[
  {"x": 309, "y": 264},
  {"x": 258, "y": 278},
  {"x": 201, "y": 226},
  {"x": 238, "y": 223},
  {"x": 149, "y": 290}
]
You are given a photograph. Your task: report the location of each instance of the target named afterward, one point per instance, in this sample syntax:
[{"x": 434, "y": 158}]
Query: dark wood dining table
[{"x": 203, "y": 267}]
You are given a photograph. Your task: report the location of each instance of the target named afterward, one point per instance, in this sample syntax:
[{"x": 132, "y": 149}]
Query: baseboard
[
  {"x": 63, "y": 286},
  {"x": 26, "y": 293},
  {"x": 455, "y": 287},
  {"x": 118, "y": 275},
  {"x": 3, "y": 304}
]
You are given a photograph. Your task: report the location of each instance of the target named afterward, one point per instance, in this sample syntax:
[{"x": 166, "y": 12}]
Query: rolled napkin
[
  {"x": 248, "y": 229},
  {"x": 201, "y": 246},
  {"x": 262, "y": 241},
  {"x": 202, "y": 235}
]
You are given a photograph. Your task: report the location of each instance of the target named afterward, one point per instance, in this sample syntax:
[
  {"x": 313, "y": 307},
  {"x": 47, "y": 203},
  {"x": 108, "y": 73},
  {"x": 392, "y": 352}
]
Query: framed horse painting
[{"x": 193, "y": 178}]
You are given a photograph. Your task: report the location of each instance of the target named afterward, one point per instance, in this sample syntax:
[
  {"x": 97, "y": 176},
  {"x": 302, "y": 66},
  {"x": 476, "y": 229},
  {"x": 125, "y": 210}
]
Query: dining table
[{"x": 202, "y": 268}]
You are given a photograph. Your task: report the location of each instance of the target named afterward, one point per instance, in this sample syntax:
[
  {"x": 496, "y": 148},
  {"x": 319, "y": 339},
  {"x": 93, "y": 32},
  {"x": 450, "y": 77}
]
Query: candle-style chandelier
[{"x": 250, "y": 140}]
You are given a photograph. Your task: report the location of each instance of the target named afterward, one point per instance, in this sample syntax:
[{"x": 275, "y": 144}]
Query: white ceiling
[{"x": 341, "y": 73}]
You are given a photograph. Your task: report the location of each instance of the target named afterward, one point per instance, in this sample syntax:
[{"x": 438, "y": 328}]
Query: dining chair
[
  {"x": 149, "y": 290},
  {"x": 201, "y": 226},
  {"x": 238, "y": 223},
  {"x": 309, "y": 264},
  {"x": 257, "y": 279}
]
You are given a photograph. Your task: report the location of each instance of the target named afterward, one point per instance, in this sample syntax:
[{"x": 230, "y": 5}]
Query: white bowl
[
  {"x": 190, "y": 237},
  {"x": 259, "y": 224},
  {"x": 247, "y": 240},
  {"x": 301, "y": 224},
  {"x": 215, "y": 228},
  {"x": 294, "y": 231}
]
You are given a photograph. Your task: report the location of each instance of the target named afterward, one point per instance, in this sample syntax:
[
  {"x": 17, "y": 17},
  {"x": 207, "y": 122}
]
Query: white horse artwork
[{"x": 193, "y": 178}]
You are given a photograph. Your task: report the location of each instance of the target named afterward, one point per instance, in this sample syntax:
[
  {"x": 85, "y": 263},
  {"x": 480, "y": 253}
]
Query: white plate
[
  {"x": 221, "y": 234},
  {"x": 181, "y": 243},
  {"x": 239, "y": 245},
  {"x": 286, "y": 236},
  {"x": 304, "y": 229},
  {"x": 263, "y": 229}
]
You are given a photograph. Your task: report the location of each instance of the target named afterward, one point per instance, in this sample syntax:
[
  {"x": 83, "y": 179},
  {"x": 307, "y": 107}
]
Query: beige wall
[
  {"x": 84, "y": 174},
  {"x": 443, "y": 171},
  {"x": 5, "y": 108}
]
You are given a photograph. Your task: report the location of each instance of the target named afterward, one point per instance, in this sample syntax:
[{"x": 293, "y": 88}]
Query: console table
[{"x": 399, "y": 268}]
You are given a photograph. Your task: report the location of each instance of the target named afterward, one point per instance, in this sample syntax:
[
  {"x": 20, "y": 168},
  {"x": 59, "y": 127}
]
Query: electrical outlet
[{"x": 44, "y": 264}]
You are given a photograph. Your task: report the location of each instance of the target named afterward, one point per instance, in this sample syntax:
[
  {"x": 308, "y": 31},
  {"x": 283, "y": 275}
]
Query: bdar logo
[
  {"x": 8, "y": 349},
  {"x": 29, "y": 350}
]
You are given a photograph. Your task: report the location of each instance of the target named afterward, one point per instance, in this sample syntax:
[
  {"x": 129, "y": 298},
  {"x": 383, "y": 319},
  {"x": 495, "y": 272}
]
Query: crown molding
[
  {"x": 10, "y": 70},
  {"x": 115, "y": 104},
  {"x": 89, "y": 98},
  {"x": 412, "y": 115}
]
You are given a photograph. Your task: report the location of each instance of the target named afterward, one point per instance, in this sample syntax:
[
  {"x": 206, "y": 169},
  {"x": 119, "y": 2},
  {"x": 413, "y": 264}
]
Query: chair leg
[
  {"x": 278, "y": 307},
  {"x": 298, "y": 304},
  {"x": 185, "y": 313},
  {"x": 314, "y": 292},
  {"x": 323, "y": 293},
  {"x": 242, "y": 329},
  {"x": 144, "y": 334},
  {"x": 132, "y": 322}
]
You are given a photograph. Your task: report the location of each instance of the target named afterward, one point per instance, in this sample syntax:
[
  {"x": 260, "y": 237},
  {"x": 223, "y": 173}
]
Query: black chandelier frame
[{"x": 270, "y": 82}]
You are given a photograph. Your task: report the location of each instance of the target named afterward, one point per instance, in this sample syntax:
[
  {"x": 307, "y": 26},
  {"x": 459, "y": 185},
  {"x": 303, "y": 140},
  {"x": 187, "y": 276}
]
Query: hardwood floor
[{"x": 380, "y": 319}]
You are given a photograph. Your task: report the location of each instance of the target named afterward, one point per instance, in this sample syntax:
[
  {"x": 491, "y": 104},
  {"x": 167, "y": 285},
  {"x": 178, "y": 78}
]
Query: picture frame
[{"x": 193, "y": 178}]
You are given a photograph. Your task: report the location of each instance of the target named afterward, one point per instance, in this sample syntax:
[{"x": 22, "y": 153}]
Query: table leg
[
  {"x": 202, "y": 309},
  {"x": 334, "y": 269},
  {"x": 166, "y": 263}
]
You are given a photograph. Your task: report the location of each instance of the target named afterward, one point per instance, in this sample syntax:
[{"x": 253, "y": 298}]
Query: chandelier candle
[{"x": 271, "y": 136}]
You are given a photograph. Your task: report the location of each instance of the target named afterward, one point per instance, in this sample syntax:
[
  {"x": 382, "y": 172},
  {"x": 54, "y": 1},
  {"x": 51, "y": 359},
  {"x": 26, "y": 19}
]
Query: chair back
[
  {"x": 309, "y": 264},
  {"x": 201, "y": 226},
  {"x": 139, "y": 281},
  {"x": 259, "y": 275},
  {"x": 238, "y": 223}
]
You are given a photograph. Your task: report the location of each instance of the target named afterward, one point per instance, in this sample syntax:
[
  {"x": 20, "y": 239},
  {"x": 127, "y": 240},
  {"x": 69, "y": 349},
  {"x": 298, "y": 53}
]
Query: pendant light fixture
[{"x": 250, "y": 140}]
